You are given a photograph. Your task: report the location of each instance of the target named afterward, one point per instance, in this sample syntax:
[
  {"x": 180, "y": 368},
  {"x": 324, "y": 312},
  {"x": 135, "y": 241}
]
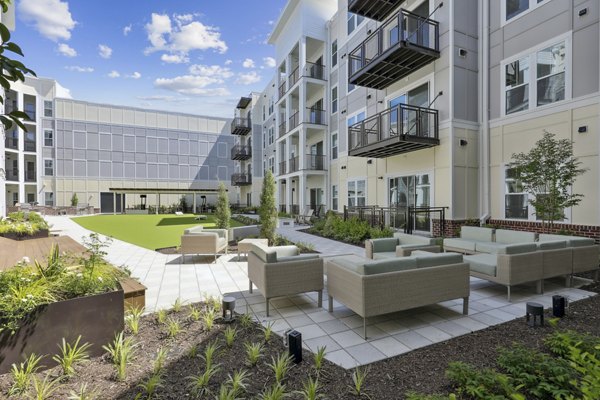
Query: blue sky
[{"x": 194, "y": 56}]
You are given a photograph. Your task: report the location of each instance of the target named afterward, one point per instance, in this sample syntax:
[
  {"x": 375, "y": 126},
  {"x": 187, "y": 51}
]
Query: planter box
[
  {"x": 96, "y": 318},
  {"x": 43, "y": 233}
]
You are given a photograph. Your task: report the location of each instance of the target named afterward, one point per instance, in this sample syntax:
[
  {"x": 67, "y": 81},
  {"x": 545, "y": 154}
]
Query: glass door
[{"x": 407, "y": 192}]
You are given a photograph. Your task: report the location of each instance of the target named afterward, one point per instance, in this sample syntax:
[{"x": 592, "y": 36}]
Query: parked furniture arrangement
[
  {"x": 371, "y": 288},
  {"x": 400, "y": 245},
  {"x": 282, "y": 271},
  {"x": 198, "y": 240}
]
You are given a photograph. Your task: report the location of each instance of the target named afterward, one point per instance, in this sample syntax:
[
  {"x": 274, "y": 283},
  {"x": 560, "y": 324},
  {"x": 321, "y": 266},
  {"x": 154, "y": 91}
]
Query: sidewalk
[{"x": 326, "y": 247}]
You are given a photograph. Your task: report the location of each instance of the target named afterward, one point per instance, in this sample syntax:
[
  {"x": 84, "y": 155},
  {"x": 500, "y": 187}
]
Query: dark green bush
[{"x": 353, "y": 230}]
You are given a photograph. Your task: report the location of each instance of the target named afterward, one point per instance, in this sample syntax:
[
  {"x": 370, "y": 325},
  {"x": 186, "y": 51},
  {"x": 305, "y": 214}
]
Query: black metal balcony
[
  {"x": 315, "y": 71},
  {"x": 374, "y": 9},
  {"x": 314, "y": 162},
  {"x": 294, "y": 76},
  {"x": 241, "y": 152},
  {"x": 282, "y": 90},
  {"x": 241, "y": 126},
  {"x": 241, "y": 179},
  {"x": 282, "y": 168},
  {"x": 294, "y": 121},
  {"x": 29, "y": 145},
  {"x": 400, "y": 129},
  {"x": 30, "y": 176},
  {"x": 11, "y": 143},
  {"x": 293, "y": 165},
  {"x": 317, "y": 117},
  {"x": 402, "y": 45},
  {"x": 12, "y": 175}
]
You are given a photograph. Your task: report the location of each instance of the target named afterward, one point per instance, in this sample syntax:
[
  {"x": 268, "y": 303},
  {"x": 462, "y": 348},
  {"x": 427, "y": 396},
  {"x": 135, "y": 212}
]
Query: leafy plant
[
  {"x": 177, "y": 305},
  {"x": 417, "y": 396},
  {"x": 268, "y": 210},
  {"x": 121, "y": 352},
  {"x": 276, "y": 392},
  {"x": 561, "y": 343},
  {"x": 208, "y": 318},
  {"x": 209, "y": 353},
  {"x": 195, "y": 313},
  {"x": 22, "y": 373},
  {"x": 82, "y": 393},
  {"x": 253, "y": 353},
  {"x": 193, "y": 351},
  {"x": 199, "y": 383},
  {"x": 319, "y": 358},
  {"x": 96, "y": 246},
  {"x": 268, "y": 332},
  {"x": 173, "y": 327},
  {"x": 225, "y": 393},
  {"x": 43, "y": 389},
  {"x": 310, "y": 390},
  {"x": 150, "y": 385},
  {"x": 71, "y": 355},
  {"x": 161, "y": 316},
  {"x": 280, "y": 366},
  {"x": 353, "y": 230},
  {"x": 132, "y": 319},
  {"x": 246, "y": 321},
  {"x": 159, "y": 360},
  {"x": 238, "y": 382},
  {"x": 481, "y": 383},
  {"x": 359, "y": 376},
  {"x": 223, "y": 212},
  {"x": 229, "y": 334},
  {"x": 74, "y": 200}
]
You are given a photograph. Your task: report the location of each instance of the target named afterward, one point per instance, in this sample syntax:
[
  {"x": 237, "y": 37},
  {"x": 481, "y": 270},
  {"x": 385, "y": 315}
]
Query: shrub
[
  {"x": 121, "y": 352},
  {"x": 74, "y": 200},
  {"x": 222, "y": 213},
  {"x": 352, "y": 230},
  {"x": 23, "y": 224},
  {"x": 71, "y": 355},
  {"x": 268, "y": 211},
  {"x": 481, "y": 383},
  {"x": 22, "y": 374}
]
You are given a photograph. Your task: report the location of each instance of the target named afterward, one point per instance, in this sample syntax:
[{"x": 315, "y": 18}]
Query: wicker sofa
[
  {"x": 401, "y": 245},
  {"x": 470, "y": 236},
  {"x": 283, "y": 271},
  {"x": 585, "y": 252},
  {"x": 198, "y": 240},
  {"x": 371, "y": 288}
]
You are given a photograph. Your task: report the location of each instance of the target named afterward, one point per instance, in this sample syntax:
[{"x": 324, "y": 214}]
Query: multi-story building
[
  {"x": 111, "y": 157},
  {"x": 421, "y": 104}
]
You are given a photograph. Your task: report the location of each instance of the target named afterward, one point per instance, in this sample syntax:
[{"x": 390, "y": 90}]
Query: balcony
[
  {"x": 12, "y": 175},
  {"x": 314, "y": 162},
  {"x": 241, "y": 126},
  {"x": 282, "y": 90},
  {"x": 11, "y": 143},
  {"x": 294, "y": 121},
  {"x": 294, "y": 76},
  {"x": 315, "y": 116},
  {"x": 293, "y": 165},
  {"x": 374, "y": 9},
  {"x": 282, "y": 130},
  {"x": 241, "y": 179},
  {"x": 29, "y": 145},
  {"x": 402, "y": 45},
  {"x": 30, "y": 176},
  {"x": 241, "y": 152},
  {"x": 282, "y": 168},
  {"x": 315, "y": 71},
  {"x": 400, "y": 129}
]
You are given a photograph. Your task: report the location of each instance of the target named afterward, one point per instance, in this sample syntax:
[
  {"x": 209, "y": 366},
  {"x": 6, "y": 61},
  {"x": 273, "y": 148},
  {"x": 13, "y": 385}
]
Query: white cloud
[
  {"x": 248, "y": 63},
  {"x": 127, "y": 29},
  {"x": 269, "y": 62},
  {"x": 66, "y": 50},
  {"x": 77, "y": 68},
  {"x": 51, "y": 18},
  {"x": 248, "y": 79},
  {"x": 175, "y": 58},
  {"x": 228, "y": 62},
  {"x": 182, "y": 35},
  {"x": 215, "y": 71},
  {"x": 135, "y": 75},
  {"x": 195, "y": 85},
  {"x": 104, "y": 51},
  {"x": 114, "y": 74},
  {"x": 271, "y": 22}
]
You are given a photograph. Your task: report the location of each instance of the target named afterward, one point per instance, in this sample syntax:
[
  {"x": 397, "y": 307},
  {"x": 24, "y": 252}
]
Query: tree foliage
[
  {"x": 223, "y": 213},
  {"x": 547, "y": 172},
  {"x": 268, "y": 210}
]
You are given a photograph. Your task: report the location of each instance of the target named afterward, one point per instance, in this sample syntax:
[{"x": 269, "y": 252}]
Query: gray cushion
[
  {"x": 299, "y": 257},
  {"x": 194, "y": 229},
  {"x": 384, "y": 245},
  {"x": 391, "y": 265},
  {"x": 552, "y": 245},
  {"x": 265, "y": 253},
  {"x": 482, "y": 263},
  {"x": 572, "y": 241},
  {"x": 502, "y": 248},
  {"x": 476, "y": 233},
  {"x": 221, "y": 242},
  {"x": 425, "y": 259},
  {"x": 386, "y": 255},
  {"x": 286, "y": 251},
  {"x": 406, "y": 239},
  {"x": 351, "y": 263},
  {"x": 508, "y": 236},
  {"x": 468, "y": 245}
]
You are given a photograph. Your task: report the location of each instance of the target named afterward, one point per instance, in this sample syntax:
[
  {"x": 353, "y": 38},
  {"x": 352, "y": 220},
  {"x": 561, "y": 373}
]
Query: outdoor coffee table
[{"x": 245, "y": 245}]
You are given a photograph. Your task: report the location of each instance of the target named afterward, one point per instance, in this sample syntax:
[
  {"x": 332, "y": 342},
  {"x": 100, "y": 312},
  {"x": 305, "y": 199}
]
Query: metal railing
[
  {"x": 30, "y": 176},
  {"x": 29, "y": 145},
  {"x": 402, "y": 27},
  {"x": 282, "y": 90},
  {"x": 409, "y": 219},
  {"x": 294, "y": 121},
  {"x": 282, "y": 168},
  {"x": 12, "y": 174},
  {"x": 282, "y": 129},
  {"x": 282, "y": 208},
  {"x": 294, "y": 76},
  {"x": 240, "y": 150},
  {"x": 316, "y": 71},
  {"x": 315, "y": 162},
  {"x": 402, "y": 119},
  {"x": 11, "y": 143},
  {"x": 294, "y": 165},
  {"x": 241, "y": 179},
  {"x": 243, "y": 123},
  {"x": 315, "y": 116}
]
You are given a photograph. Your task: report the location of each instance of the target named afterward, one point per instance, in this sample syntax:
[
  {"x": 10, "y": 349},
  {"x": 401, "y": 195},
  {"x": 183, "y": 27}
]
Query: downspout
[{"x": 484, "y": 170}]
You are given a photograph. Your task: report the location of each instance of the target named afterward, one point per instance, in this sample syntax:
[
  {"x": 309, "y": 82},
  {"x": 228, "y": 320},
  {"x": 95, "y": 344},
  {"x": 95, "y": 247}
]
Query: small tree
[
  {"x": 267, "y": 210},
  {"x": 548, "y": 172},
  {"x": 223, "y": 213},
  {"x": 74, "y": 200}
]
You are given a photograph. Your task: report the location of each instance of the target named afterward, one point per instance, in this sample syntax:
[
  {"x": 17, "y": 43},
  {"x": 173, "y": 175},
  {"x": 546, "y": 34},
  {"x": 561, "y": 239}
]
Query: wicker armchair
[{"x": 198, "y": 240}]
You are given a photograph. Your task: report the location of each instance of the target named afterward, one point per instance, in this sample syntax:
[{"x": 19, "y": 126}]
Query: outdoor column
[
  {"x": 157, "y": 204},
  {"x": 288, "y": 195},
  {"x": 20, "y": 155},
  {"x": 194, "y": 210},
  {"x": 302, "y": 193},
  {"x": 114, "y": 203}
]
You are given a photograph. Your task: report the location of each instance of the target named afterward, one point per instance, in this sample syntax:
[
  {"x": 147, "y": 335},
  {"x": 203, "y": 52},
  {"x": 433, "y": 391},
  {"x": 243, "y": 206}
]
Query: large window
[
  {"x": 48, "y": 138},
  {"x": 334, "y": 146},
  {"x": 354, "y": 21},
  {"x": 514, "y": 8},
  {"x": 334, "y": 54},
  {"x": 357, "y": 194},
  {"x": 49, "y": 167},
  {"x": 515, "y": 200},
  {"x": 537, "y": 79},
  {"x": 356, "y": 118},
  {"x": 334, "y": 100},
  {"x": 334, "y": 197},
  {"x": 272, "y": 164}
]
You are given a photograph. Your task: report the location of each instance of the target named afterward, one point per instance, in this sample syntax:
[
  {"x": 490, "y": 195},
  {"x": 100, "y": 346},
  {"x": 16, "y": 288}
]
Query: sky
[{"x": 190, "y": 56}]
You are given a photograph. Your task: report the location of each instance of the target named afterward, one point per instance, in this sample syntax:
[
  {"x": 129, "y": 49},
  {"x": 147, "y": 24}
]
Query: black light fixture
[
  {"x": 582, "y": 12},
  {"x": 369, "y": 96},
  {"x": 343, "y": 167},
  {"x": 463, "y": 142},
  {"x": 294, "y": 342},
  {"x": 582, "y": 129},
  {"x": 558, "y": 305},
  {"x": 369, "y": 161},
  {"x": 228, "y": 304},
  {"x": 380, "y": 178}
]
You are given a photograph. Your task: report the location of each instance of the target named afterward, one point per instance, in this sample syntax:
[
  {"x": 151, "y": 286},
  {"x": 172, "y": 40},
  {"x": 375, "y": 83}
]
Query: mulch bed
[{"x": 422, "y": 370}]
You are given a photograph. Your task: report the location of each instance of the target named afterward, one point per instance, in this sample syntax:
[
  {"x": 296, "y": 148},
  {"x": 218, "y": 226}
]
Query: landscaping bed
[
  {"x": 23, "y": 226},
  {"x": 352, "y": 231}
]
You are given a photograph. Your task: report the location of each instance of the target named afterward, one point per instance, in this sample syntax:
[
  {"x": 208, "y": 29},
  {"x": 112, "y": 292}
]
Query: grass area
[{"x": 149, "y": 231}]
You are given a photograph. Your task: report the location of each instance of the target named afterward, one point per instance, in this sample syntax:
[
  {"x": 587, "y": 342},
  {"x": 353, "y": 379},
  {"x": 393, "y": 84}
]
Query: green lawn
[{"x": 149, "y": 231}]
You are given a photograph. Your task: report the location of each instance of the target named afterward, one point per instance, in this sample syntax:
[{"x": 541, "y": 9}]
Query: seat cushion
[
  {"x": 286, "y": 251},
  {"x": 572, "y": 241},
  {"x": 552, "y": 245},
  {"x": 482, "y": 263},
  {"x": 406, "y": 239},
  {"x": 425, "y": 259},
  {"x": 265, "y": 253},
  {"x": 390, "y": 265},
  {"x": 384, "y": 245},
  {"x": 476, "y": 233},
  {"x": 299, "y": 257},
  {"x": 508, "y": 236},
  {"x": 221, "y": 242},
  {"x": 503, "y": 248},
  {"x": 456, "y": 243},
  {"x": 386, "y": 255},
  {"x": 351, "y": 262},
  {"x": 194, "y": 229}
]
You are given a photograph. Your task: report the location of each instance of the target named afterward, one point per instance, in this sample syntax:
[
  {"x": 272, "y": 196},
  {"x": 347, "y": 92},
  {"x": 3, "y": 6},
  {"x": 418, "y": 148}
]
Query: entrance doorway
[{"x": 410, "y": 191}]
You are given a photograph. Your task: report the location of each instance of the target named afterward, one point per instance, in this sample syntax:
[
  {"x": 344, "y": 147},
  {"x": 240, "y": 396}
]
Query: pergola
[{"x": 158, "y": 192}]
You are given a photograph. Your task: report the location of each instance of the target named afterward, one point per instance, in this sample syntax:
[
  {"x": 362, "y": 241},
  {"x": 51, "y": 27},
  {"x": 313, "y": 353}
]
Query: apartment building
[
  {"x": 112, "y": 157},
  {"x": 421, "y": 104}
]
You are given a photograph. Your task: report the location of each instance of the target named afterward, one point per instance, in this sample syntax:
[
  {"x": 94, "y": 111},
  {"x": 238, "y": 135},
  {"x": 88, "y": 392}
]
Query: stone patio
[{"x": 168, "y": 279}]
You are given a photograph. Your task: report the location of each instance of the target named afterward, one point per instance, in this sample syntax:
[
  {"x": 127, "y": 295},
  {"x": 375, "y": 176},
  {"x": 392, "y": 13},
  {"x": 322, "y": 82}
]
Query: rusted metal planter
[
  {"x": 42, "y": 233},
  {"x": 96, "y": 318}
]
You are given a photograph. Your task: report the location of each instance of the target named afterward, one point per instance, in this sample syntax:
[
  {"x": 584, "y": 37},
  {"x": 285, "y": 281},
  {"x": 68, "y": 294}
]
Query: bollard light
[{"x": 295, "y": 346}]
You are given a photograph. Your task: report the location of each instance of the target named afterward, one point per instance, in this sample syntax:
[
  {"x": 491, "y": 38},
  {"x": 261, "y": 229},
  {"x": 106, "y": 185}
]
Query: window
[
  {"x": 272, "y": 164},
  {"x": 49, "y": 199},
  {"x": 515, "y": 200},
  {"x": 546, "y": 68},
  {"x": 271, "y": 135},
  {"x": 334, "y": 100},
  {"x": 48, "y": 167},
  {"x": 48, "y": 138},
  {"x": 351, "y": 88},
  {"x": 356, "y": 193},
  {"x": 264, "y": 138},
  {"x": 272, "y": 105},
  {"x": 334, "y": 146},
  {"x": 514, "y": 8},
  {"x": 356, "y": 118},
  {"x": 334, "y": 197},
  {"x": 334, "y": 54},
  {"x": 48, "y": 109},
  {"x": 354, "y": 21},
  {"x": 264, "y": 113}
]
